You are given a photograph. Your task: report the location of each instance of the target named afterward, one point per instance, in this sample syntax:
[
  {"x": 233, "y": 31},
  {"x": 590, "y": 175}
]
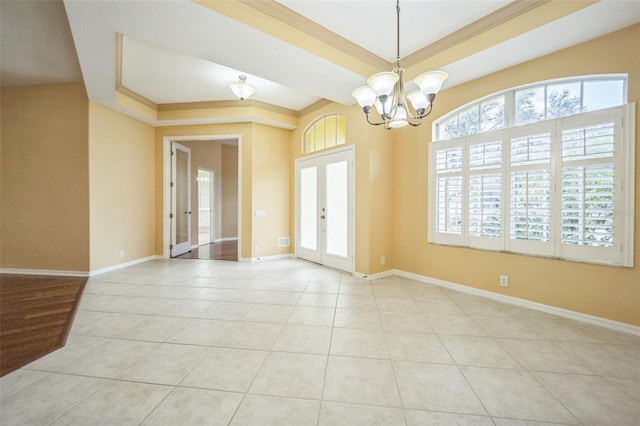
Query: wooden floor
[
  {"x": 36, "y": 313},
  {"x": 224, "y": 250}
]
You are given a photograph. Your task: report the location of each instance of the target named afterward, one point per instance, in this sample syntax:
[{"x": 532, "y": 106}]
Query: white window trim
[
  {"x": 621, "y": 254},
  {"x": 627, "y": 188}
]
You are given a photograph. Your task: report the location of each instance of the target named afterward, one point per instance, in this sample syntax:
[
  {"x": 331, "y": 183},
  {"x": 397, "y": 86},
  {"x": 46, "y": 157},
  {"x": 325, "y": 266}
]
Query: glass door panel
[
  {"x": 180, "y": 199},
  {"x": 336, "y": 215},
  {"x": 309, "y": 208}
]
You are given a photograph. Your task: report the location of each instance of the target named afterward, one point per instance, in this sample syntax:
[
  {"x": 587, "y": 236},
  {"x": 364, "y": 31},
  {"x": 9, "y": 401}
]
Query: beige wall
[
  {"x": 44, "y": 174},
  {"x": 608, "y": 292},
  {"x": 122, "y": 187},
  {"x": 229, "y": 190},
  {"x": 271, "y": 189}
]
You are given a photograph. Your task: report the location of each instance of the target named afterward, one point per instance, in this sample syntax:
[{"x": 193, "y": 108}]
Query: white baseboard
[
  {"x": 123, "y": 265},
  {"x": 263, "y": 258},
  {"x": 374, "y": 276},
  {"x": 565, "y": 313},
  {"x": 51, "y": 272},
  {"x": 219, "y": 240}
]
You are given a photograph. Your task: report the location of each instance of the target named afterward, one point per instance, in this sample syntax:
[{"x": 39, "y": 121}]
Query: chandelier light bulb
[
  {"x": 365, "y": 96},
  {"x": 431, "y": 82},
  {"x": 383, "y": 83},
  {"x": 399, "y": 119},
  {"x": 418, "y": 100},
  {"x": 384, "y": 108}
]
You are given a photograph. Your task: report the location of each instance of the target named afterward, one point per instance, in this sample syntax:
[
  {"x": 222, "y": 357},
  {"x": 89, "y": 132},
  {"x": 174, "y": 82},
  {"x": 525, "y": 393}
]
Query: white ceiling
[
  {"x": 372, "y": 24},
  {"x": 147, "y": 67},
  {"x": 178, "y": 51},
  {"x": 36, "y": 46}
]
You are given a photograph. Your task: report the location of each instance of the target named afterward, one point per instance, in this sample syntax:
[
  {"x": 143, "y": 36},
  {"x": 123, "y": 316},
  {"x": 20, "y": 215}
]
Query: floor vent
[{"x": 284, "y": 242}]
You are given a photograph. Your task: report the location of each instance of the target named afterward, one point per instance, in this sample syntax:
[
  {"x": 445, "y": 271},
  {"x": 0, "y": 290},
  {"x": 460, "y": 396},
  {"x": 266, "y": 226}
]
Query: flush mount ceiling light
[
  {"x": 242, "y": 89},
  {"x": 385, "y": 90}
]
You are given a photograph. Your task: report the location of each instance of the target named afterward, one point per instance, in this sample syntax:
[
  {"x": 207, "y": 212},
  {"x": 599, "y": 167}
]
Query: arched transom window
[{"x": 326, "y": 132}]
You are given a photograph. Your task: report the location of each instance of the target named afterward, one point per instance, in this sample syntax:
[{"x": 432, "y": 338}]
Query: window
[
  {"x": 326, "y": 132},
  {"x": 533, "y": 103},
  {"x": 557, "y": 182}
]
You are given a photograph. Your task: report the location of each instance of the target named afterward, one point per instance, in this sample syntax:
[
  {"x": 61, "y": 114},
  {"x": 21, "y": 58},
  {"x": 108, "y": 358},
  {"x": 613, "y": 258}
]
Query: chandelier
[
  {"x": 242, "y": 89},
  {"x": 385, "y": 90}
]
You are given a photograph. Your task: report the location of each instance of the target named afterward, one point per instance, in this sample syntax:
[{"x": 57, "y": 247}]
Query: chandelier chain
[{"x": 398, "y": 32}]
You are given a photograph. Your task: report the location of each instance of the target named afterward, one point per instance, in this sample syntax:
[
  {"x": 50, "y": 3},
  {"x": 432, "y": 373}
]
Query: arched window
[
  {"x": 533, "y": 103},
  {"x": 545, "y": 169},
  {"x": 326, "y": 132}
]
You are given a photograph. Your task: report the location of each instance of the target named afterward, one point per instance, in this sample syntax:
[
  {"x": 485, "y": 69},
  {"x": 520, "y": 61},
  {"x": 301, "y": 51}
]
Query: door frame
[
  {"x": 186, "y": 246},
  {"x": 352, "y": 191},
  {"x": 212, "y": 204},
  {"x": 166, "y": 189}
]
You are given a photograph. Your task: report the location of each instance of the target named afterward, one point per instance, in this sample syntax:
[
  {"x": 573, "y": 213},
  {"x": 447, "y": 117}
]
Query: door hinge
[
  {"x": 172, "y": 153},
  {"x": 171, "y": 247},
  {"x": 170, "y": 215},
  {"x": 170, "y": 184}
]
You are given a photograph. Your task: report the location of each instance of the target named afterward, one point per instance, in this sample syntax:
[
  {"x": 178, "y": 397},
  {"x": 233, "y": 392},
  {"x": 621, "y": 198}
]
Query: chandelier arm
[
  {"x": 388, "y": 115},
  {"x": 415, "y": 124},
  {"x": 410, "y": 114},
  {"x": 372, "y": 123},
  {"x": 424, "y": 114}
]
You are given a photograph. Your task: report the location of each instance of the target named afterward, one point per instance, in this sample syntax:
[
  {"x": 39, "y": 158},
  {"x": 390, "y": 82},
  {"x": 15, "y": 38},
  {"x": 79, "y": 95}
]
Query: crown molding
[
  {"x": 500, "y": 16},
  {"x": 314, "y": 106},
  {"x": 227, "y": 104},
  {"x": 294, "y": 20},
  {"x": 119, "y": 86}
]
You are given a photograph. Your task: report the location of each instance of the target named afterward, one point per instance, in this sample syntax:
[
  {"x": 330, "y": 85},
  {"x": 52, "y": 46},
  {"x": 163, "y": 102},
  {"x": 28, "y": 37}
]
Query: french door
[
  {"x": 180, "y": 199},
  {"x": 325, "y": 209}
]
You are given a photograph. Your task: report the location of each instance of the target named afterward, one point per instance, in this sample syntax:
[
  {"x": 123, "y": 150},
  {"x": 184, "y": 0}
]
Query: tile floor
[{"x": 194, "y": 342}]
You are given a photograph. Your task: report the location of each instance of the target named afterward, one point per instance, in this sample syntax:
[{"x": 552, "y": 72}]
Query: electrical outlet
[
  {"x": 121, "y": 253},
  {"x": 504, "y": 280},
  {"x": 382, "y": 260}
]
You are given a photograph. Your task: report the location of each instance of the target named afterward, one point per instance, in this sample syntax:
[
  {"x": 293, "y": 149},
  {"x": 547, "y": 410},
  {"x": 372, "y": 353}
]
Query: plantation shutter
[
  {"x": 588, "y": 185},
  {"x": 530, "y": 190},
  {"x": 447, "y": 210},
  {"x": 485, "y": 192}
]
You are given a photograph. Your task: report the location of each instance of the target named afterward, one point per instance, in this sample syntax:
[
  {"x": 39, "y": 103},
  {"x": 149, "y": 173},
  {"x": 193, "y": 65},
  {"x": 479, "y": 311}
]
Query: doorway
[
  {"x": 206, "y": 206},
  {"x": 325, "y": 209},
  {"x": 220, "y": 156}
]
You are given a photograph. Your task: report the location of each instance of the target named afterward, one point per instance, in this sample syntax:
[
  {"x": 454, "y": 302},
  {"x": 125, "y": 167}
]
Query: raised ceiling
[{"x": 294, "y": 53}]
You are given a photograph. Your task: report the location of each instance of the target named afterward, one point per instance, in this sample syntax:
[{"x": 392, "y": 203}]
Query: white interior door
[
  {"x": 325, "y": 209},
  {"x": 180, "y": 199}
]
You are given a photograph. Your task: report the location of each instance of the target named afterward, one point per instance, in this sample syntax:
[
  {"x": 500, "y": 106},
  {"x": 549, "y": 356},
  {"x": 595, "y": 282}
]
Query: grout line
[
  {"x": 328, "y": 355},
  {"x": 326, "y": 368}
]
